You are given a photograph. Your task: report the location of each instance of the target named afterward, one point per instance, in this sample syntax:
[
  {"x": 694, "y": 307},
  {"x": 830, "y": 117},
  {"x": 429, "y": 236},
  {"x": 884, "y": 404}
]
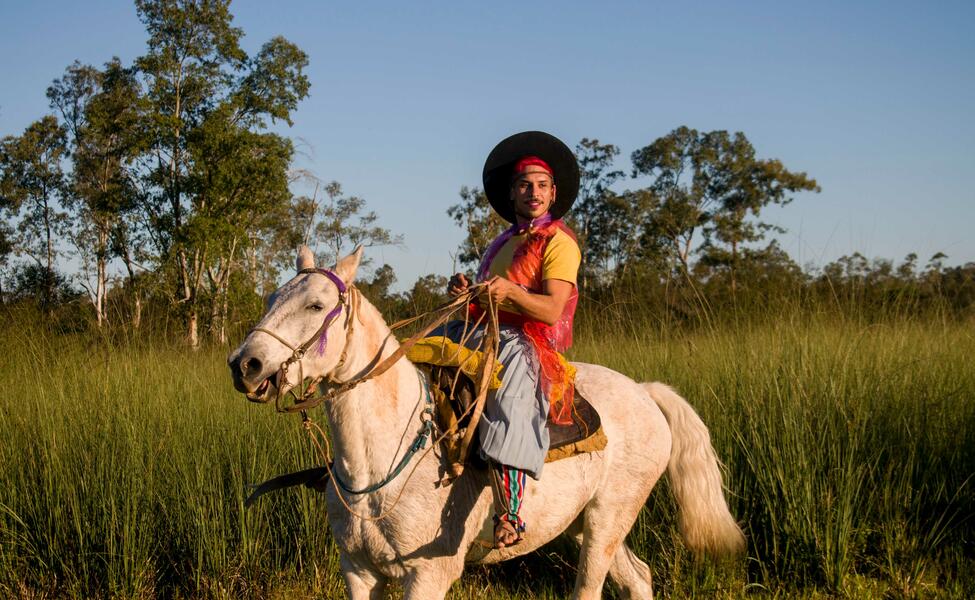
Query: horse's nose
[
  {"x": 251, "y": 367},
  {"x": 246, "y": 371}
]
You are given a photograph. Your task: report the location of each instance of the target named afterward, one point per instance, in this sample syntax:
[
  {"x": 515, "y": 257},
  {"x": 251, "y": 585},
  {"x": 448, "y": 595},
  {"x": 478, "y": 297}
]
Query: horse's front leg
[
  {"x": 431, "y": 583},
  {"x": 362, "y": 584}
]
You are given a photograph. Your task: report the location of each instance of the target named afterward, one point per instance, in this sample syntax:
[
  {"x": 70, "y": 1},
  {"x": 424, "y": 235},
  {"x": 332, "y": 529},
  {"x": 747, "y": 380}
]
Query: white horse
[{"x": 432, "y": 531}]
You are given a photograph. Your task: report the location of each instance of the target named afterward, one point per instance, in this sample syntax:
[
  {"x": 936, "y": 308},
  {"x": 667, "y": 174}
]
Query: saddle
[{"x": 452, "y": 371}]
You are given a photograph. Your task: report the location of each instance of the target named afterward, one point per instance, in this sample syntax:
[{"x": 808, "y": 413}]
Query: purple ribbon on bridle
[{"x": 332, "y": 314}]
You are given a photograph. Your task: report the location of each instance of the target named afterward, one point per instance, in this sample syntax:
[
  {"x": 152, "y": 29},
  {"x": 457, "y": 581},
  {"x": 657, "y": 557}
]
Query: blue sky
[{"x": 873, "y": 99}]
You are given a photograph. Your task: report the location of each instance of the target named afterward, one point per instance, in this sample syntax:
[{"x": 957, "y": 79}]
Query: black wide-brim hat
[{"x": 500, "y": 164}]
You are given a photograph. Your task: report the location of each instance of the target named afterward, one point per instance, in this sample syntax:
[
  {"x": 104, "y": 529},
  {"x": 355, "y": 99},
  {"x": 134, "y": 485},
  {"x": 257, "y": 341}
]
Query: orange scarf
[{"x": 548, "y": 340}]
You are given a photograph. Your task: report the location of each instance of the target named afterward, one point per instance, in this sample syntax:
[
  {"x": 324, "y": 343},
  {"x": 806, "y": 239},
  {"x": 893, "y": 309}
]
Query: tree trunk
[
  {"x": 734, "y": 263},
  {"x": 137, "y": 311},
  {"x": 214, "y": 315},
  {"x": 220, "y": 286},
  {"x": 223, "y": 315},
  {"x": 102, "y": 276},
  {"x": 100, "y": 294},
  {"x": 191, "y": 288},
  {"x": 49, "y": 276},
  {"x": 136, "y": 297},
  {"x": 257, "y": 279},
  {"x": 192, "y": 329}
]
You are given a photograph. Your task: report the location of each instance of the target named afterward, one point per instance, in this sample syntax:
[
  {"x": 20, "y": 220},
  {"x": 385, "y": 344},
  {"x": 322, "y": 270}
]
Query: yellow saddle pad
[{"x": 454, "y": 392}]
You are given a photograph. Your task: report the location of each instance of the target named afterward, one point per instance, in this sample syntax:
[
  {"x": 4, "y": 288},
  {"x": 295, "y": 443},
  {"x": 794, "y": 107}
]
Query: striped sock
[{"x": 509, "y": 492}]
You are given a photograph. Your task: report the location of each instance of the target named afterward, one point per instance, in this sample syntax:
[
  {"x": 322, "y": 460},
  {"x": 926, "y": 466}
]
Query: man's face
[{"x": 532, "y": 193}]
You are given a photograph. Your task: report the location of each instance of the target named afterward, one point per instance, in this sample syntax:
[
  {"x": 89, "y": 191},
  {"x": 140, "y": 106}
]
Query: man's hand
[
  {"x": 499, "y": 289},
  {"x": 546, "y": 306},
  {"x": 457, "y": 285}
]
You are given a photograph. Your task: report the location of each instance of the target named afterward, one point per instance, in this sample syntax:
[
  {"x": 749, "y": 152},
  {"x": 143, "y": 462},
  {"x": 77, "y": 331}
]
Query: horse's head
[{"x": 303, "y": 330}]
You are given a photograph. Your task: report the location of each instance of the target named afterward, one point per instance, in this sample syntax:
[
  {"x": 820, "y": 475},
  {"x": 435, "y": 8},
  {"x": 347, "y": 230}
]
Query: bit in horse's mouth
[{"x": 260, "y": 393}]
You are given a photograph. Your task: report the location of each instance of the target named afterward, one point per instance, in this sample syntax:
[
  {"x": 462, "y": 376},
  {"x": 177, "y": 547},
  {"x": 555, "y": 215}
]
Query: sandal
[{"x": 506, "y": 533}]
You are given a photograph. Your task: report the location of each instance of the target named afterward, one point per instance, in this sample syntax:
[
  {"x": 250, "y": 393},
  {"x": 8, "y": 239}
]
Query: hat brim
[{"x": 500, "y": 163}]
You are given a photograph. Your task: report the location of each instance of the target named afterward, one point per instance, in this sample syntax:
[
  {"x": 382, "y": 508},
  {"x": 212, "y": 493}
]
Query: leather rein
[{"x": 349, "y": 299}]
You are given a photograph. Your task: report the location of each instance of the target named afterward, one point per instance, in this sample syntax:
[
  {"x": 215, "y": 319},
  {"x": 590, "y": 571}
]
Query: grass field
[{"x": 849, "y": 451}]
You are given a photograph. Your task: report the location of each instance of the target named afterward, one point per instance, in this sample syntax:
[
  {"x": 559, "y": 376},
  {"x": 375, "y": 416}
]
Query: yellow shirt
[{"x": 561, "y": 260}]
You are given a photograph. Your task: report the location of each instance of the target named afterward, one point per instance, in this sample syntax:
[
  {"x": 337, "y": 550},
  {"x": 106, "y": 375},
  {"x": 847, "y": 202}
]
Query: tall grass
[
  {"x": 848, "y": 445},
  {"x": 849, "y": 448},
  {"x": 125, "y": 471}
]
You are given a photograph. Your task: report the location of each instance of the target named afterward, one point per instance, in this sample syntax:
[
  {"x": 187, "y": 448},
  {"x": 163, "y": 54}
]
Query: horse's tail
[{"x": 706, "y": 523}]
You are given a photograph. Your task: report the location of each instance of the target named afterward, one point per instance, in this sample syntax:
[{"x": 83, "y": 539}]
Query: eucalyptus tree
[
  {"x": 273, "y": 239},
  {"x": 100, "y": 111},
  {"x": 678, "y": 175},
  {"x": 709, "y": 184},
  {"x": 208, "y": 173},
  {"x": 745, "y": 186},
  {"x": 344, "y": 223},
  {"x": 595, "y": 217},
  {"x": 32, "y": 184},
  {"x": 237, "y": 177}
]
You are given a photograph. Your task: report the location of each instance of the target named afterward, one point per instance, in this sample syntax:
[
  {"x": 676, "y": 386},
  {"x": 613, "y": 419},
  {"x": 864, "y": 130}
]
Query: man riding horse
[
  {"x": 531, "y": 179},
  {"x": 390, "y": 526}
]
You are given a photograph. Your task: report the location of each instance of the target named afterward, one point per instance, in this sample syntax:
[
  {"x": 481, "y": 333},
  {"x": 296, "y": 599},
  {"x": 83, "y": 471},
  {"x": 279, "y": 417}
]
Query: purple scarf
[{"x": 494, "y": 247}]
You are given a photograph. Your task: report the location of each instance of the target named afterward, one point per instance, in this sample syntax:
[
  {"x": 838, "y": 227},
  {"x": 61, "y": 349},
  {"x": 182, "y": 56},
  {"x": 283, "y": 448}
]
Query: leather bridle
[
  {"x": 348, "y": 297},
  {"x": 321, "y": 335}
]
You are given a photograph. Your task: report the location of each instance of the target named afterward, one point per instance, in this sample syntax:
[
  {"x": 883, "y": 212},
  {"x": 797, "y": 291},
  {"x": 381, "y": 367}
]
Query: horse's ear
[
  {"x": 306, "y": 260},
  {"x": 346, "y": 267}
]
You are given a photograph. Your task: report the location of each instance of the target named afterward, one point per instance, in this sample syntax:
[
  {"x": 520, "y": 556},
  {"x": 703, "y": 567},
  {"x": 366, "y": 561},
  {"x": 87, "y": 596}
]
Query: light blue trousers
[{"x": 513, "y": 428}]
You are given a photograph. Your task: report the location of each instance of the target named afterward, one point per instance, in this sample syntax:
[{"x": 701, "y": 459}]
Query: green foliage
[
  {"x": 876, "y": 287},
  {"x": 427, "y": 293},
  {"x": 168, "y": 166},
  {"x": 32, "y": 181},
  {"x": 210, "y": 178},
  {"x": 342, "y": 224},
  {"x": 710, "y": 183},
  {"x": 28, "y": 282},
  {"x": 100, "y": 110},
  {"x": 275, "y": 83}
]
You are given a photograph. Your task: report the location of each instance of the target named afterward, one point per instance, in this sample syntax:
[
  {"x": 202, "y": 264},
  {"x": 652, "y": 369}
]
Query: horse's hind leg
[
  {"x": 630, "y": 574},
  {"x": 610, "y": 515}
]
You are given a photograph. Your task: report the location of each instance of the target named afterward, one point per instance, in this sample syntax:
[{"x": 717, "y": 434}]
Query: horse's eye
[{"x": 316, "y": 307}]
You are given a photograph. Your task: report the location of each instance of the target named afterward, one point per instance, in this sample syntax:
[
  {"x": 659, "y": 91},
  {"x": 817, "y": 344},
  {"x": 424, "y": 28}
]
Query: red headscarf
[{"x": 529, "y": 161}]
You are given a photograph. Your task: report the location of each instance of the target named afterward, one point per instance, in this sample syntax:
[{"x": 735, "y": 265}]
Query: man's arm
[{"x": 546, "y": 307}]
